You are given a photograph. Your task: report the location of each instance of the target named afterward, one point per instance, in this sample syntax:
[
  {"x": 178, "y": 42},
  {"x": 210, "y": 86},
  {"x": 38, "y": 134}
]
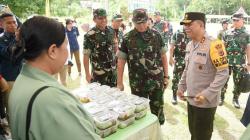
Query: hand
[
  {"x": 120, "y": 86},
  {"x": 171, "y": 62},
  {"x": 165, "y": 82},
  {"x": 180, "y": 94},
  {"x": 88, "y": 78},
  {"x": 4, "y": 87},
  {"x": 199, "y": 99}
]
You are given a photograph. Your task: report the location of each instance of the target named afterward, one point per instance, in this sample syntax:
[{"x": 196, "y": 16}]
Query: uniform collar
[
  {"x": 38, "y": 74},
  {"x": 99, "y": 30},
  {"x": 242, "y": 29}
]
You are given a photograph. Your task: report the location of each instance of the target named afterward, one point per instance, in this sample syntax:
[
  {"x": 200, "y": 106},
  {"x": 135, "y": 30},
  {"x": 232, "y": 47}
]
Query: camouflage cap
[
  {"x": 157, "y": 13},
  {"x": 117, "y": 17},
  {"x": 192, "y": 16},
  {"x": 237, "y": 16},
  {"x": 140, "y": 16},
  {"x": 99, "y": 12}
]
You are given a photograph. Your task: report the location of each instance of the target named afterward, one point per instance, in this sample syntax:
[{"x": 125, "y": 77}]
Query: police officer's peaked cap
[
  {"x": 117, "y": 17},
  {"x": 237, "y": 16},
  {"x": 140, "y": 16},
  {"x": 99, "y": 12},
  {"x": 192, "y": 16}
]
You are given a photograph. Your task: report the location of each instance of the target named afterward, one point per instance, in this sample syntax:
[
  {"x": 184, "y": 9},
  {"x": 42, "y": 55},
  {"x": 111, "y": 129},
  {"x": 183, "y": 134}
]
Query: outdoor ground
[{"x": 227, "y": 124}]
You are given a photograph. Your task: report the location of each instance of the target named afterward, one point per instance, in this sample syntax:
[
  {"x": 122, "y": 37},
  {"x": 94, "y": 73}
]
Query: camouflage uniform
[
  {"x": 160, "y": 26},
  {"x": 179, "y": 40},
  {"x": 236, "y": 41},
  {"x": 99, "y": 45},
  {"x": 143, "y": 53},
  {"x": 118, "y": 32}
]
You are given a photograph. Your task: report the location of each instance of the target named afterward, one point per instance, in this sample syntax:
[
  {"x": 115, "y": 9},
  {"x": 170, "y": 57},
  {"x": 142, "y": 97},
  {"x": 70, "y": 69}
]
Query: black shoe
[
  {"x": 221, "y": 102},
  {"x": 236, "y": 103},
  {"x": 174, "y": 100}
]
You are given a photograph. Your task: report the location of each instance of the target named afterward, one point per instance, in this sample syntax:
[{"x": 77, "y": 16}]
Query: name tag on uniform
[{"x": 201, "y": 54}]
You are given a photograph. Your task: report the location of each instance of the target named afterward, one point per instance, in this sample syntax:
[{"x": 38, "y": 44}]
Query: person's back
[{"x": 55, "y": 113}]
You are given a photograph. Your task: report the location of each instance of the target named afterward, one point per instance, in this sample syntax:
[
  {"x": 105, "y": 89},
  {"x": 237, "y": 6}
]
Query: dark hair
[
  {"x": 4, "y": 15},
  {"x": 68, "y": 21},
  {"x": 38, "y": 34}
]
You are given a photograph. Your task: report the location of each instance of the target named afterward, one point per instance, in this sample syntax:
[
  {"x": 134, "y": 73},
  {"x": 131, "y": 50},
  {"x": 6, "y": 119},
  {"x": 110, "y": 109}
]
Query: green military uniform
[
  {"x": 179, "y": 40},
  {"x": 143, "y": 51},
  {"x": 99, "y": 46},
  {"x": 236, "y": 41},
  {"x": 221, "y": 32},
  {"x": 160, "y": 27},
  {"x": 118, "y": 32}
]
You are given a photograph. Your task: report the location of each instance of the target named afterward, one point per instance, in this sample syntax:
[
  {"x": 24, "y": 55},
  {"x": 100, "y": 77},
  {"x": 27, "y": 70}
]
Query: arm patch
[{"x": 218, "y": 55}]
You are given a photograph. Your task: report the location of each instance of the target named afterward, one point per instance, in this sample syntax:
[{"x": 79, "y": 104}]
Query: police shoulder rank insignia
[{"x": 218, "y": 54}]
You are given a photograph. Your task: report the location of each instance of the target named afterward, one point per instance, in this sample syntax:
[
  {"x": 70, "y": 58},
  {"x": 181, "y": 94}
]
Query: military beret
[
  {"x": 192, "y": 16},
  {"x": 237, "y": 16},
  {"x": 117, "y": 17},
  {"x": 99, "y": 12},
  {"x": 140, "y": 16}
]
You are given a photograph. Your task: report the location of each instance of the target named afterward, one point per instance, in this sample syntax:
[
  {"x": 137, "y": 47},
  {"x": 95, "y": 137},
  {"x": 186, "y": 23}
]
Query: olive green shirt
[
  {"x": 56, "y": 113},
  {"x": 246, "y": 134}
]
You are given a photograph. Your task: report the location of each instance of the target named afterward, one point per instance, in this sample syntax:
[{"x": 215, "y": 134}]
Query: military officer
[
  {"x": 162, "y": 27},
  {"x": 205, "y": 73},
  {"x": 99, "y": 49},
  {"x": 237, "y": 42},
  {"x": 224, "y": 29},
  {"x": 145, "y": 52},
  {"x": 116, "y": 25},
  {"x": 177, "y": 54}
]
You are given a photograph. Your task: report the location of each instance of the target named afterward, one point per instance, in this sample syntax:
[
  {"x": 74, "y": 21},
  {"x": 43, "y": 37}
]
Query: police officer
[
  {"x": 177, "y": 54},
  {"x": 145, "y": 52},
  {"x": 116, "y": 26},
  {"x": 224, "y": 29},
  {"x": 162, "y": 27},
  {"x": 99, "y": 49},
  {"x": 237, "y": 42},
  {"x": 205, "y": 73}
]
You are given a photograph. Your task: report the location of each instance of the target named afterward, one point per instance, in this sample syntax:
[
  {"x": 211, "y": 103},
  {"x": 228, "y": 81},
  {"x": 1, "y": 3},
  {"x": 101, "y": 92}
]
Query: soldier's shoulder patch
[{"x": 218, "y": 54}]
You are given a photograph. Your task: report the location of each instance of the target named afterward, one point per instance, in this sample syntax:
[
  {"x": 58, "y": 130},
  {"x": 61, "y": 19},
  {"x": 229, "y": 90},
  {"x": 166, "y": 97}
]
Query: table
[{"x": 147, "y": 128}]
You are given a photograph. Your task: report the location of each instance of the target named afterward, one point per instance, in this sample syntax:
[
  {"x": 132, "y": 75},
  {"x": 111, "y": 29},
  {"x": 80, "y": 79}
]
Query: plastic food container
[
  {"x": 126, "y": 123},
  {"x": 124, "y": 110},
  {"x": 106, "y": 132},
  {"x": 141, "y": 114},
  {"x": 103, "y": 100},
  {"x": 93, "y": 108},
  {"x": 105, "y": 119},
  {"x": 141, "y": 104}
]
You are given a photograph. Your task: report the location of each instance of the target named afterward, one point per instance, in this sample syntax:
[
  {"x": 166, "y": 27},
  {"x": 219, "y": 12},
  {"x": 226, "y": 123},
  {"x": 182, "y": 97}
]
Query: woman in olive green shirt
[{"x": 56, "y": 113}]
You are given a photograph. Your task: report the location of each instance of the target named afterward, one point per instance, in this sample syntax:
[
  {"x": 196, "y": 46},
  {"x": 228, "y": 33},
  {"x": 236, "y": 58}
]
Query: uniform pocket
[{"x": 200, "y": 64}]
